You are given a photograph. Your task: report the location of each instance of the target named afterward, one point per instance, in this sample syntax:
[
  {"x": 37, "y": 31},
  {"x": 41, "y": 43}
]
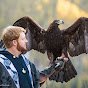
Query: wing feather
[
  {"x": 35, "y": 33},
  {"x": 75, "y": 37},
  {"x": 2, "y": 44}
]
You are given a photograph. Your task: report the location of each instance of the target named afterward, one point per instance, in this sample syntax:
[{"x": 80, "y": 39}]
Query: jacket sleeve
[
  {"x": 45, "y": 74},
  {"x": 5, "y": 79},
  {"x": 48, "y": 70},
  {"x": 40, "y": 77}
]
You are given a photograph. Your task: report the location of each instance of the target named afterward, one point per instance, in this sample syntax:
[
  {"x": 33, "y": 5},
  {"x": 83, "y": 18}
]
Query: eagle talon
[{"x": 59, "y": 62}]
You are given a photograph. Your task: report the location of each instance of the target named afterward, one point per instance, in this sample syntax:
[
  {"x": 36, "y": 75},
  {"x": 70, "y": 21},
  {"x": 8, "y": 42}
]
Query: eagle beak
[{"x": 60, "y": 22}]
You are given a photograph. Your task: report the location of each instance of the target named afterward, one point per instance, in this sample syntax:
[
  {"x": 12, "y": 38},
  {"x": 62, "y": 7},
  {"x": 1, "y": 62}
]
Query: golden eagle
[{"x": 73, "y": 40}]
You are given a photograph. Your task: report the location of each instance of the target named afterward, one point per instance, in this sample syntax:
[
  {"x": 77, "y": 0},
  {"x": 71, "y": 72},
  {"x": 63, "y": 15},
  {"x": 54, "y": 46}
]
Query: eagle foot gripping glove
[{"x": 59, "y": 62}]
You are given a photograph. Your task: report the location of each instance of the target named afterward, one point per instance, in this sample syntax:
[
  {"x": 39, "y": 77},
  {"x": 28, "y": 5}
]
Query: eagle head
[
  {"x": 58, "y": 22},
  {"x": 54, "y": 24}
]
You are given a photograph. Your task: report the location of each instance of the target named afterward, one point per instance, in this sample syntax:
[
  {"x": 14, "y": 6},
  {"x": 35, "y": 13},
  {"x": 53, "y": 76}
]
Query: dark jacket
[{"x": 6, "y": 80}]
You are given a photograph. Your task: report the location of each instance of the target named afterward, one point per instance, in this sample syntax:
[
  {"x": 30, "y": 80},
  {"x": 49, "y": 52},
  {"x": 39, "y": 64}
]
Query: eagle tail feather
[{"x": 66, "y": 74}]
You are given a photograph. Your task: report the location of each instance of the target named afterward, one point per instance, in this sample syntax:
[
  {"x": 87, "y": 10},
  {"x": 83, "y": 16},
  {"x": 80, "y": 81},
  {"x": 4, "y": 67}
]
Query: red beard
[{"x": 21, "y": 49}]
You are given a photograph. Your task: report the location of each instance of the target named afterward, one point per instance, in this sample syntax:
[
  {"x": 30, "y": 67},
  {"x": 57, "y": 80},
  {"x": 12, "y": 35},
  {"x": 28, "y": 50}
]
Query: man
[{"x": 16, "y": 71}]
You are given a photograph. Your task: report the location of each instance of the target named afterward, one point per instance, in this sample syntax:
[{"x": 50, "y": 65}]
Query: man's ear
[{"x": 14, "y": 42}]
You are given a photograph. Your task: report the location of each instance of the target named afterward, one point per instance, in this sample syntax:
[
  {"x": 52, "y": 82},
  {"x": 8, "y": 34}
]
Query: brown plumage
[{"x": 56, "y": 42}]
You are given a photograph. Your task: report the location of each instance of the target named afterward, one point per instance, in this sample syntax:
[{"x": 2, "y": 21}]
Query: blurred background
[{"x": 44, "y": 12}]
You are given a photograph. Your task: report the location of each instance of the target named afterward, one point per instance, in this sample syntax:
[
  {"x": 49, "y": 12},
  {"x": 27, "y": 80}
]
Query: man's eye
[{"x": 23, "y": 39}]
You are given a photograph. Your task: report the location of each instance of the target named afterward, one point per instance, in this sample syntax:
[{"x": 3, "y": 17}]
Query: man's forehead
[{"x": 22, "y": 35}]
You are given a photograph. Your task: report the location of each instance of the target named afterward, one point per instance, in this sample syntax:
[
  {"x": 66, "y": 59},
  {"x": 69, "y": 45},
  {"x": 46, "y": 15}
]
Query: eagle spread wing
[
  {"x": 73, "y": 40},
  {"x": 76, "y": 37},
  {"x": 34, "y": 34}
]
